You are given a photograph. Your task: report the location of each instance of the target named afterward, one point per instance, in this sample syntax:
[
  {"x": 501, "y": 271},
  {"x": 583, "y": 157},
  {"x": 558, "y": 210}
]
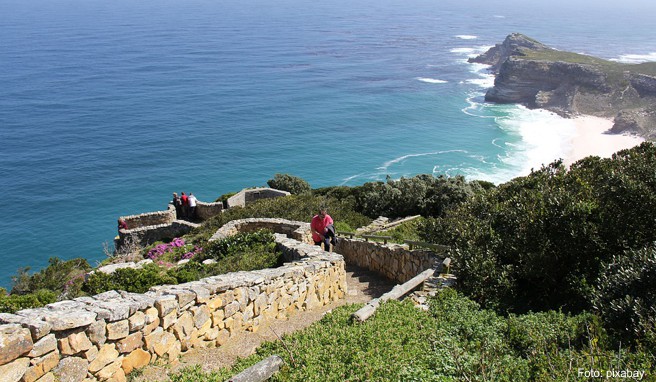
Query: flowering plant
[{"x": 176, "y": 250}]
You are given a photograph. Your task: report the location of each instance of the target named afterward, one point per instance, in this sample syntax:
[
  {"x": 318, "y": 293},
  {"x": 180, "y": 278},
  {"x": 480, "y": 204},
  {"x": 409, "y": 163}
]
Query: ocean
[{"x": 107, "y": 107}]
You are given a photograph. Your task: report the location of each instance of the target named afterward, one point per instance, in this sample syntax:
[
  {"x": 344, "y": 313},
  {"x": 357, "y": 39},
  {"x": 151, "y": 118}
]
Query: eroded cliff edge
[{"x": 537, "y": 76}]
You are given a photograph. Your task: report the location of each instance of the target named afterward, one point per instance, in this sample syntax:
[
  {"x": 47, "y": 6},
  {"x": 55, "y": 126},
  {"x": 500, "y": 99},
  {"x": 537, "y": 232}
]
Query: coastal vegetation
[
  {"x": 455, "y": 340},
  {"x": 556, "y": 271}
]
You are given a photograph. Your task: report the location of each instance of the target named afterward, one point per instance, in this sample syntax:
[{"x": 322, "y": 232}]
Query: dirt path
[{"x": 362, "y": 286}]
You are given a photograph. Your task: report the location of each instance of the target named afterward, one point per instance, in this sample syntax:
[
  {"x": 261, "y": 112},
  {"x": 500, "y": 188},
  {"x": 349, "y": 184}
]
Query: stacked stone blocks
[
  {"x": 105, "y": 337},
  {"x": 392, "y": 261}
]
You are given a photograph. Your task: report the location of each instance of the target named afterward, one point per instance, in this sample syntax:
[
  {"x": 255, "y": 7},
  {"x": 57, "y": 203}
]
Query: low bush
[
  {"x": 289, "y": 183},
  {"x": 540, "y": 242},
  {"x": 424, "y": 195},
  {"x": 13, "y": 303},
  {"x": 625, "y": 296},
  {"x": 63, "y": 277}
]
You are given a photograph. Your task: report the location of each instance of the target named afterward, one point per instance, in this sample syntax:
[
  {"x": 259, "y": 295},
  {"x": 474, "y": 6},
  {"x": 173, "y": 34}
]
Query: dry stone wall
[
  {"x": 248, "y": 196},
  {"x": 393, "y": 261},
  {"x": 105, "y": 337},
  {"x": 147, "y": 235},
  {"x": 205, "y": 211},
  {"x": 150, "y": 218},
  {"x": 296, "y": 230}
]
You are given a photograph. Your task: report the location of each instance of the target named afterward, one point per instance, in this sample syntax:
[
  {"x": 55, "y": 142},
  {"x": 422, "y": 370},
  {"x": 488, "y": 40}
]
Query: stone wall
[
  {"x": 296, "y": 230},
  {"x": 150, "y": 218},
  {"x": 105, "y": 337},
  {"x": 392, "y": 261},
  {"x": 205, "y": 211},
  {"x": 248, "y": 196},
  {"x": 147, "y": 235}
]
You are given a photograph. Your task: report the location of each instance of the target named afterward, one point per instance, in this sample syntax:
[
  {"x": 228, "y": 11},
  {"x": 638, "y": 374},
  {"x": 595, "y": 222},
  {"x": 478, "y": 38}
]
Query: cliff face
[{"x": 532, "y": 74}]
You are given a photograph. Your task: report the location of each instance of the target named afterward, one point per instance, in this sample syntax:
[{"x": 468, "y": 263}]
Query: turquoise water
[{"x": 108, "y": 107}]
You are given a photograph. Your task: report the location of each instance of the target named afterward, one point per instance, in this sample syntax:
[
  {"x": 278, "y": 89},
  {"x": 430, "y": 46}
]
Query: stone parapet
[
  {"x": 392, "y": 261},
  {"x": 297, "y": 230},
  {"x": 248, "y": 196},
  {"x": 150, "y": 218},
  {"x": 143, "y": 236},
  {"x": 205, "y": 211},
  {"x": 105, "y": 337}
]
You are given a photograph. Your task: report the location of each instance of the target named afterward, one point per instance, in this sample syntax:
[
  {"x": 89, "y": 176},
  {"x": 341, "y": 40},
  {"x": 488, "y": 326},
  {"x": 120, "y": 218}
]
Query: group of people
[{"x": 185, "y": 205}]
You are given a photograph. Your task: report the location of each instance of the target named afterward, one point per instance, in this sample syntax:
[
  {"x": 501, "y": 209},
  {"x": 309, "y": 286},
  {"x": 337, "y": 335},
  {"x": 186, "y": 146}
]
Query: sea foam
[
  {"x": 431, "y": 80},
  {"x": 635, "y": 58},
  {"x": 466, "y": 37},
  {"x": 534, "y": 138}
]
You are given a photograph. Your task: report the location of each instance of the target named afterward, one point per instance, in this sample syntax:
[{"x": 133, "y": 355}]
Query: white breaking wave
[
  {"x": 541, "y": 137},
  {"x": 466, "y": 37},
  {"x": 635, "y": 58},
  {"x": 387, "y": 164},
  {"x": 431, "y": 80}
]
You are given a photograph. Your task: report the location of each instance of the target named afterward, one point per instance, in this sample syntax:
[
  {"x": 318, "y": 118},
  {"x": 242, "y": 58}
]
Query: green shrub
[
  {"x": 290, "y": 183},
  {"x": 61, "y": 277},
  {"x": 625, "y": 296},
  {"x": 128, "y": 279},
  {"x": 539, "y": 242},
  {"x": 423, "y": 195},
  {"x": 241, "y": 242},
  {"x": 13, "y": 303}
]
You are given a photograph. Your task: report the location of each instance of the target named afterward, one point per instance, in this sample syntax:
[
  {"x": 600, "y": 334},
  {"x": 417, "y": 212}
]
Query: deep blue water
[{"x": 106, "y": 107}]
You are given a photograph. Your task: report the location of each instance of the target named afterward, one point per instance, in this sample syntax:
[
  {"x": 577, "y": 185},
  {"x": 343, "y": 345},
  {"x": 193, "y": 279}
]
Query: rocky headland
[{"x": 570, "y": 84}]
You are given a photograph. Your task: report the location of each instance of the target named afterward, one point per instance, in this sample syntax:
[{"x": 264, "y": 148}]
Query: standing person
[
  {"x": 177, "y": 203},
  {"x": 192, "y": 206},
  {"x": 122, "y": 224},
  {"x": 185, "y": 203},
  {"x": 318, "y": 226}
]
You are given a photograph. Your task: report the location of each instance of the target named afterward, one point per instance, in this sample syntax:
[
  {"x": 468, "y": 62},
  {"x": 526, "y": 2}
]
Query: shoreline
[{"x": 591, "y": 138}]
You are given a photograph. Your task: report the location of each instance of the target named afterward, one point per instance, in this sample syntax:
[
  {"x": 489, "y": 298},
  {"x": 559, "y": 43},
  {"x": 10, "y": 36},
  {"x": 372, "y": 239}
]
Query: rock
[
  {"x": 74, "y": 342},
  {"x": 106, "y": 355},
  {"x": 50, "y": 377},
  {"x": 14, "y": 342},
  {"x": 159, "y": 341},
  {"x": 28, "y": 319},
  {"x": 137, "y": 321},
  {"x": 69, "y": 319},
  {"x": 166, "y": 304},
  {"x": 43, "y": 346},
  {"x": 117, "y": 330},
  {"x": 119, "y": 376},
  {"x": 209, "y": 261},
  {"x": 109, "y": 370},
  {"x": 41, "y": 366},
  {"x": 130, "y": 343},
  {"x": 135, "y": 360},
  {"x": 71, "y": 369},
  {"x": 97, "y": 332},
  {"x": 231, "y": 309},
  {"x": 201, "y": 315},
  {"x": 14, "y": 371}
]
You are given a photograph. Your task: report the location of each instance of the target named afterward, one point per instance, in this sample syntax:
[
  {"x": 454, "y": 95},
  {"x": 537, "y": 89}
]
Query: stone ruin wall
[
  {"x": 105, "y": 337},
  {"x": 392, "y": 261},
  {"x": 299, "y": 231},
  {"x": 248, "y": 196},
  {"x": 147, "y": 228}
]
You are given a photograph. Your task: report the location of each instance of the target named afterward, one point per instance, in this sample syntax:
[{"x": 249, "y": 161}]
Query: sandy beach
[{"x": 590, "y": 139}]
